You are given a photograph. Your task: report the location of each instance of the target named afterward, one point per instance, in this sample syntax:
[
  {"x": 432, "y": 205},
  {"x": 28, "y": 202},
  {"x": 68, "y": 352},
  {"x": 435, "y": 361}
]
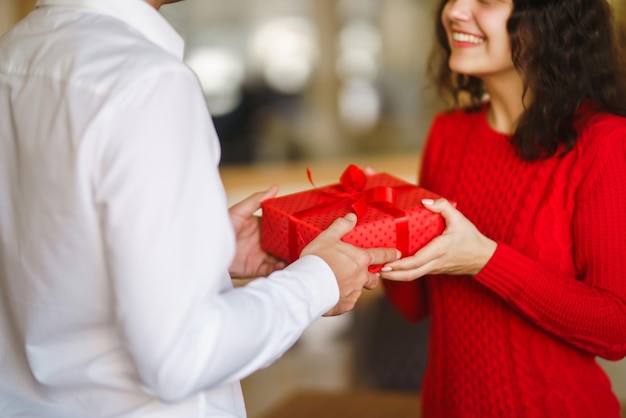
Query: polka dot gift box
[{"x": 389, "y": 210}]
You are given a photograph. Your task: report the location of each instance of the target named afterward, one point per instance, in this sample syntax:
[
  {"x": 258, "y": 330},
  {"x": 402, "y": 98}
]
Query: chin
[{"x": 463, "y": 69}]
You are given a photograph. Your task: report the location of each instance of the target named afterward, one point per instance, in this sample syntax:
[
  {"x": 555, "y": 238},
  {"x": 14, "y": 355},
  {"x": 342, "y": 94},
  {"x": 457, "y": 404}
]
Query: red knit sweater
[{"x": 520, "y": 338}]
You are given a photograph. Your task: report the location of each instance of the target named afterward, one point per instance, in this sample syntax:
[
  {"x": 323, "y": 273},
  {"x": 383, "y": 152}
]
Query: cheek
[
  {"x": 501, "y": 57},
  {"x": 502, "y": 48},
  {"x": 498, "y": 39},
  {"x": 493, "y": 22}
]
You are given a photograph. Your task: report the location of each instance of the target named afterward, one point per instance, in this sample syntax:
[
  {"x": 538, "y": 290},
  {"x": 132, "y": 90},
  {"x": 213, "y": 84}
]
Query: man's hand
[
  {"x": 349, "y": 263},
  {"x": 250, "y": 260}
]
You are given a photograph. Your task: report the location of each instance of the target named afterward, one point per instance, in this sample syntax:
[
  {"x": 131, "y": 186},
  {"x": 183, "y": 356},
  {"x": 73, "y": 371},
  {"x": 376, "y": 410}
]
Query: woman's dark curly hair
[{"x": 567, "y": 52}]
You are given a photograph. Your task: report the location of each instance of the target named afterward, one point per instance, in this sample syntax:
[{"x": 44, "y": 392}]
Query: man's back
[{"x": 62, "y": 74}]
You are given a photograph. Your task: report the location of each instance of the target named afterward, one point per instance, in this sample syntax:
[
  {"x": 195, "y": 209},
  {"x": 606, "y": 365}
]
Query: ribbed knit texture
[{"x": 520, "y": 339}]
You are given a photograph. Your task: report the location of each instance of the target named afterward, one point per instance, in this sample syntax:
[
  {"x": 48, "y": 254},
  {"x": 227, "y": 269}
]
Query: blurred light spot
[
  {"x": 360, "y": 34},
  {"x": 359, "y": 46},
  {"x": 221, "y": 73},
  {"x": 356, "y": 63},
  {"x": 284, "y": 51},
  {"x": 359, "y": 104}
]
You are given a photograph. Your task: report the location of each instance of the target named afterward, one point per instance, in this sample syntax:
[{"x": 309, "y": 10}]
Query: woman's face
[{"x": 478, "y": 37}]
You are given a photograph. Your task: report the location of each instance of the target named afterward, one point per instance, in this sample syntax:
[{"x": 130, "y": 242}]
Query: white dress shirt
[{"x": 115, "y": 239}]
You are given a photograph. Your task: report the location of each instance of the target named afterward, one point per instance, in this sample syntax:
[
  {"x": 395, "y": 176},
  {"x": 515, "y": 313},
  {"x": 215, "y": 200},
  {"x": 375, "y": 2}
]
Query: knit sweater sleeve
[{"x": 588, "y": 311}]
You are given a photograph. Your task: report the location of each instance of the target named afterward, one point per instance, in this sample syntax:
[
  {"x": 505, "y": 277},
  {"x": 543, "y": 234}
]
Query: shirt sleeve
[
  {"x": 588, "y": 311},
  {"x": 169, "y": 242}
]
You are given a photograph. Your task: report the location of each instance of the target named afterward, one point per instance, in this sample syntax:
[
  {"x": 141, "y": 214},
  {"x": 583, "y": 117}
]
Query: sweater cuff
[{"x": 507, "y": 272}]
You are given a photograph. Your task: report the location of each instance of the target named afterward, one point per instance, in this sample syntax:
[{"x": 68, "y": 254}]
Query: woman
[{"x": 527, "y": 284}]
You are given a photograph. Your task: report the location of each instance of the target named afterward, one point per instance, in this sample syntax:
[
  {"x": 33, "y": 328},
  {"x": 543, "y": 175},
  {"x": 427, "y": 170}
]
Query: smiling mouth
[{"x": 467, "y": 38}]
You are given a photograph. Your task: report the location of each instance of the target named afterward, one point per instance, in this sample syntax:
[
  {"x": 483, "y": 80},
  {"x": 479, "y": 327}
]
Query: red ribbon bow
[{"x": 352, "y": 187}]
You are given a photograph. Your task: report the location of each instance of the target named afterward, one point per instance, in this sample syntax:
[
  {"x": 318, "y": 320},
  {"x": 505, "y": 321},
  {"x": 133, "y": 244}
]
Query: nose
[{"x": 459, "y": 10}]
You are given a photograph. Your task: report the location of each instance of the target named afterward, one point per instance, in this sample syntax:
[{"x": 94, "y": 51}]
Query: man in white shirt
[{"x": 116, "y": 242}]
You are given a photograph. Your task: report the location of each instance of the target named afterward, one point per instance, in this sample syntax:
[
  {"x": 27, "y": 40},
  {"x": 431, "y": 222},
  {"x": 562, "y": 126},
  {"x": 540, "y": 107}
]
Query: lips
[{"x": 467, "y": 38}]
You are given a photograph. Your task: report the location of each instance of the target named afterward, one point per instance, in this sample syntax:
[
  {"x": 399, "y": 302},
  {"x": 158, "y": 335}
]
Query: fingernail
[
  {"x": 428, "y": 202},
  {"x": 398, "y": 254},
  {"x": 386, "y": 268},
  {"x": 351, "y": 216}
]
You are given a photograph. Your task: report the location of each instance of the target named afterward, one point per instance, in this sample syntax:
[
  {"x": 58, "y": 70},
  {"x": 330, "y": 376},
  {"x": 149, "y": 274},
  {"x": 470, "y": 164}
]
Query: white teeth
[{"x": 465, "y": 37}]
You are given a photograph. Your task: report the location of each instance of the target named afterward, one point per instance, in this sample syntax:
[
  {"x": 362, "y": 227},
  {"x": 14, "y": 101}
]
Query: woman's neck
[{"x": 506, "y": 104}]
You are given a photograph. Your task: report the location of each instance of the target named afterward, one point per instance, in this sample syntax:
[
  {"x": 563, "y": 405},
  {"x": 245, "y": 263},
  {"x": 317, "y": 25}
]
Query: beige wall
[
  {"x": 13, "y": 10},
  {"x": 24, "y": 6},
  {"x": 8, "y": 14}
]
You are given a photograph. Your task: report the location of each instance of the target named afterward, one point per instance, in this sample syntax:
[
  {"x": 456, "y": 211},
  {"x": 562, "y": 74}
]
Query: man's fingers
[
  {"x": 341, "y": 226},
  {"x": 269, "y": 193},
  {"x": 253, "y": 202},
  {"x": 383, "y": 255},
  {"x": 372, "y": 282},
  {"x": 255, "y": 199}
]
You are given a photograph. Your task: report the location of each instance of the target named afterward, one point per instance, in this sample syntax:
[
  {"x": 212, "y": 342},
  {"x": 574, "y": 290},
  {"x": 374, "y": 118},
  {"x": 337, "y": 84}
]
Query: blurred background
[
  {"x": 319, "y": 84},
  {"x": 302, "y": 79}
]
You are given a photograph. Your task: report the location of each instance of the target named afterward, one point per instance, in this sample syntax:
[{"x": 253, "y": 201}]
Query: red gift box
[{"x": 389, "y": 210}]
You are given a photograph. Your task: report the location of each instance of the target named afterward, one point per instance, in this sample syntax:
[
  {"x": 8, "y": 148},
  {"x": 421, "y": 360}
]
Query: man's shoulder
[
  {"x": 120, "y": 54},
  {"x": 87, "y": 51}
]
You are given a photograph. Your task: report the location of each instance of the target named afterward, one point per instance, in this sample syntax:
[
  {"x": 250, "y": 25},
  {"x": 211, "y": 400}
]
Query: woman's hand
[
  {"x": 250, "y": 260},
  {"x": 460, "y": 249}
]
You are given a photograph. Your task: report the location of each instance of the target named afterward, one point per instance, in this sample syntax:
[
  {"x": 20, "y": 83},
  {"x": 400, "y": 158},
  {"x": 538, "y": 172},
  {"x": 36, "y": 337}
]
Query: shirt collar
[{"x": 136, "y": 13}]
